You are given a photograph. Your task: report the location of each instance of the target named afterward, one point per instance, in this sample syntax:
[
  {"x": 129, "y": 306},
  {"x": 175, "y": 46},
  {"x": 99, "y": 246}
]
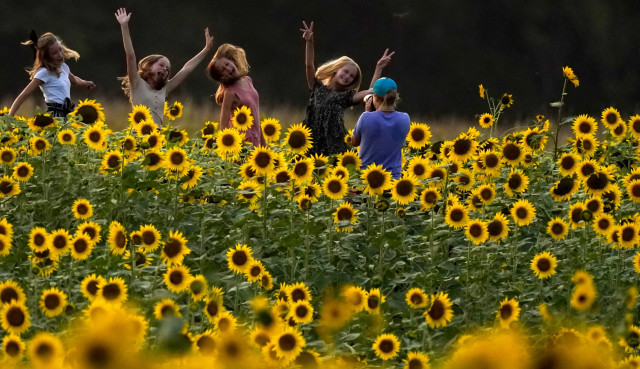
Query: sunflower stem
[
  {"x": 306, "y": 245},
  {"x": 555, "y": 148},
  {"x": 264, "y": 210}
]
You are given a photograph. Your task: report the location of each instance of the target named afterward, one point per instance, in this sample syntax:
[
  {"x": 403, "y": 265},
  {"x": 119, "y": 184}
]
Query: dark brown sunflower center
[
  {"x": 262, "y": 160},
  {"x": 212, "y": 308},
  {"x": 8, "y": 294},
  {"x": 415, "y": 364},
  {"x": 120, "y": 240},
  {"x": 557, "y": 229},
  {"x": 40, "y": 145},
  {"x": 419, "y": 170},
  {"x": 283, "y": 177},
  {"x": 297, "y": 140},
  {"x": 486, "y": 194},
  {"x": 89, "y": 114},
  {"x": 417, "y": 135},
  {"x": 152, "y": 141},
  {"x": 95, "y": 136},
  {"x": 301, "y": 311},
  {"x": 584, "y": 127},
  {"x": 462, "y": 146},
  {"x": 564, "y": 187},
  {"x": 91, "y": 232},
  {"x": 298, "y": 294},
  {"x": 146, "y": 129},
  {"x": 404, "y": 188},
  {"x": 15, "y": 316},
  {"x": 511, "y": 151},
  {"x": 196, "y": 287},
  {"x": 475, "y": 230},
  {"x": 345, "y": 214},
  {"x": 172, "y": 247},
  {"x": 176, "y": 277},
  {"x": 44, "y": 351},
  {"x": 239, "y": 258},
  {"x": 43, "y": 120},
  {"x": 416, "y": 299},
  {"x": 597, "y": 181},
  {"x": 506, "y": 311},
  {"x": 242, "y": 119},
  {"x": 7, "y": 156},
  {"x": 491, "y": 161},
  {"x": 39, "y": 240},
  {"x": 148, "y": 237},
  {"x": 611, "y": 118},
  {"x": 52, "y": 302},
  {"x": 111, "y": 291},
  {"x": 437, "y": 310},
  {"x": 375, "y": 179},
  {"x": 604, "y": 223},
  {"x": 301, "y": 169},
  {"x": 567, "y": 162},
  {"x": 22, "y": 171},
  {"x": 269, "y": 130},
  {"x": 373, "y": 302},
  {"x": 12, "y": 348},
  {"x": 576, "y": 215},
  {"x": 386, "y": 346},
  {"x": 92, "y": 287},
  {"x": 154, "y": 159},
  {"x": 82, "y": 209},
  {"x": 206, "y": 344},
  {"x": 628, "y": 234},
  {"x": 495, "y": 228},
  {"x": 544, "y": 265},
  {"x": 456, "y": 215},
  {"x": 430, "y": 197},
  {"x": 255, "y": 271},
  {"x": 80, "y": 245},
  {"x": 287, "y": 342},
  {"x": 177, "y": 158},
  {"x": 334, "y": 186},
  {"x": 521, "y": 213}
]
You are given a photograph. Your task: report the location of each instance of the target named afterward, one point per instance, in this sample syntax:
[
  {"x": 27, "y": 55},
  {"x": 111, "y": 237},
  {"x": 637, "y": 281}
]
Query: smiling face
[
  {"x": 55, "y": 54},
  {"x": 345, "y": 76},
  {"x": 159, "y": 72},
  {"x": 227, "y": 69}
]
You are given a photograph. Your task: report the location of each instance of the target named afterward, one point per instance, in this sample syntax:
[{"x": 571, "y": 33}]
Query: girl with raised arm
[
  {"x": 148, "y": 82},
  {"x": 334, "y": 88}
]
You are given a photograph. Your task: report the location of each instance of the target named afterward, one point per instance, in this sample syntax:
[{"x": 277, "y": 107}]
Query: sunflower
[
  {"x": 463, "y": 148},
  {"x": 564, "y": 189},
  {"x": 213, "y": 307},
  {"x": 288, "y": 343},
  {"x": 271, "y": 129},
  {"x": 440, "y": 312},
  {"x": 419, "y": 135},
  {"x": 262, "y": 160},
  {"x": 386, "y": 346},
  {"x": 477, "y": 231},
  {"x": 583, "y": 296},
  {"x": 489, "y": 162},
  {"x": 627, "y": 235},
  {"x": 374, "y": 300},
  {"x": 174, "y": 249},
  {"x": 619, "y": 131},
  {"x": 173, "y": 111},
  {"x": 335, "y": 187},
  {"x": 8, "y": 187},
  {"x": 586, "y": 168},
  {"x": 634, "y": 126},
  {"x": 150, "y": 237},
  {"x": 598, "y": 182},
  {"x": 66, "y": 137},
  {"x": 38, "y": 145},
  {"x": 266, "y": 281},
  {"x": 633, "y": 190},
  {"x": 436, "y": 175},
  {"x": 523, "y": 212},
  {"x": 498, "y": 227},
  {"x": 129, "y": 145},
  {"x": 205, "y": 343},
  {"x": 299, "y": 138},
  {"x": 249, "y": 191},
  {"x": 508, "y": 312},
  {"x": 113, "y": 291},
  {"x": 610, "y": 117},
  {"x": 517, "y": 183},
  {"x": 301, "y": 312},
  {"x": 7, "y": 155},
  {"x": 355, "y": 297},
  {"x": 506, "y": 101},
  {"x": 612, "y": 197},
  {"x": 176, "y": 159},
  {"x": 254, "y": 271},
  {"x": 90, "y": 286},
  {"x": 95, "y": 138},
  {"x": 349, "y": 158},
  {"x": 334, "y": 314},
  {"x": 193, "y": 176},
  {"x": 512, "y": 153},
  {"x": 39, "y": 239},
  {"x": 584, "y": 125},
  {"x": 146, "y": 127},
  {"x": 417, "y": 167},
  {"x": 22, "y": 172},
  {"x": 465, "y": 179},
  {"x": 60, "y": 242},
  {"x": 139, "y": 114},
  {"x": 457, "y": 216},
  {"x": 238, "y": 259},
  {"x": 13, "y": 348},
  {"x": 117, "y": 238},
  {"x": 153, "y": 160},
  {"x": 166, "y": 308},
  {"x": 40, "y": 121},
  {"x": 89, "y": 112},
  {"x": 345, "y": 212},
  {"x": 302, "y": 170},
  {"x": 594, "y": 205},
  {"x": 5, "y": 245},
  {"x": 404, "y": 190},
  {"x": 557, "y": 228},
  {"x": 569, "y": 75},
  {"x": 11, "y": 291},
  {"x": 487, "y": 193},
  {"x": 91, "y": 229},
  {"x": 429, "y": 197},
  {"x": 81, "y": 246},
  {"x": 15, "y": 317},
  {"x": 45, "y": 350},
  {"x": 304, "y": 202},
  {"x": 82, "y": 209},
  {"x": 568, "y": 163},
  {"x": 486, "y": 120},
  {"x": 544, "y": 265},
  {"x": 298, "y": 292},
  {"x": 52, "y": 302},
  {"x": 377, "y": 179},
  {"x": 416, "y": 298},
  {"x": 586, "y": 145},
  {"x": 153, "y": 141}
]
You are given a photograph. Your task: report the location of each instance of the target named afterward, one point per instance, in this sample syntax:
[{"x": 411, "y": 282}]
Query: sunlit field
[{"x": 127, "y": 246}]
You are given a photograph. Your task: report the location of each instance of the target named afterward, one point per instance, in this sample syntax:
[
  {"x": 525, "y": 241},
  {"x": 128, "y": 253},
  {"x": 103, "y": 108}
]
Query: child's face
[
  {"x": 160, "y": 69},
  {"x": 55, "y": 54},
  {"x": 227, "y": 69},
  {"x": 345, "y": 75}
]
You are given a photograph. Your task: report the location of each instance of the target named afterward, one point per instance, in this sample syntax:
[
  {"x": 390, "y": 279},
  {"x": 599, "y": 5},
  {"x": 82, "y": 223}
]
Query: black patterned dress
[{"x": 325, "y": 118}]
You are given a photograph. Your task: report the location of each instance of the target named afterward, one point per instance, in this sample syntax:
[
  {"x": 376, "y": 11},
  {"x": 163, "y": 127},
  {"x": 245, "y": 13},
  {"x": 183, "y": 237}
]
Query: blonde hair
[
  {"x": 329, "y": 69},
  {"x": 237, "y": 56},
  {"x": 391, "y": 98},
  {"x": 144, "y": 65},
  {"x": 42, "y": 53}
]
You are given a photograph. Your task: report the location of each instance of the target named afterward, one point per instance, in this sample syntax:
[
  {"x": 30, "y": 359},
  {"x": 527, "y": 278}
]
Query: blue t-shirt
[
  {"x": 55, "y": 89},
  {"x": 382, "y": 136}
]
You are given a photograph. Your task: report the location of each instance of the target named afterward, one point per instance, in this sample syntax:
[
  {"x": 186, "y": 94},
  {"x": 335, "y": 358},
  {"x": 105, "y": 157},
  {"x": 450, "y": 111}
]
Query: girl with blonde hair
[
  {"x": 52, "y": 75},
  {"x": 333, "y": 89},
  {"x": 229, "y": 67},
  {"x": 148, "y": 82}
]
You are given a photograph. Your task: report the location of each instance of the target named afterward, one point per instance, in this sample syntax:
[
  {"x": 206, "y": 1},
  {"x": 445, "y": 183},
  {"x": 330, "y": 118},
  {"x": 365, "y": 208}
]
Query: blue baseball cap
[{"x": 383, "y": 85}]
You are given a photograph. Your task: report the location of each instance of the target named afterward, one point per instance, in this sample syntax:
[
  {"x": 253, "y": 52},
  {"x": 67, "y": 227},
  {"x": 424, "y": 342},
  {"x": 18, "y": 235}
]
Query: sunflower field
[{"x": 153, "y": 248}]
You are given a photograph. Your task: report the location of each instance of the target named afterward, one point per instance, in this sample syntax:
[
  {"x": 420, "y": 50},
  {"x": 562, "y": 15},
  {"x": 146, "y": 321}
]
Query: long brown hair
[
  {"x": 144, "y": 66},
  {"x": 42, "y": 53},
  {"x": 237, "y": 56}
]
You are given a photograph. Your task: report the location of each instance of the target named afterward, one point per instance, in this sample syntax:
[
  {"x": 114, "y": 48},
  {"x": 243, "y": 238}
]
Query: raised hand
[
  {"x": 385, "y": 59},
  {"x": 208, "y": 40},
  {"x": 122, "y": 16},
  {"x": 307, "y": 31}
]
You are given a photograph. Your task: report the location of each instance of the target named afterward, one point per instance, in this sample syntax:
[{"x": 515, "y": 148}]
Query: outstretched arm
[
  {"x": 132, "y": 68},
  {"x": 30, "y": 89},
  {"x": 191, "y": 64},
  {"x": 77, "y": 81},
  {"x": 310, "y": 69},
  {"x": 225, "y": 110}
]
